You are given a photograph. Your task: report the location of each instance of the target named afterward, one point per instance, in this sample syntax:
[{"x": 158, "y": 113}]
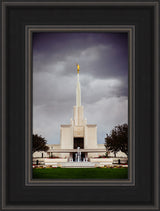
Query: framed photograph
[
  {"x": 80, "y": 105},
  {"x": 79, "y": 146}
]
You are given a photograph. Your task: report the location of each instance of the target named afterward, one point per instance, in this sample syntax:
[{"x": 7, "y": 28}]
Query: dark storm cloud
[
  {"x": 61, "y": 47},
  {"x": 103, "y": 59}
]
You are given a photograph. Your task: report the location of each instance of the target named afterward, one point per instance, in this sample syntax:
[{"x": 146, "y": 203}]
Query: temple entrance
[{"x": 78, "y": 142}]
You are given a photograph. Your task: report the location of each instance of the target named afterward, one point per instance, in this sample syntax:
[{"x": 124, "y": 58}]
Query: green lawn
[{"x": 80, "y": 173}]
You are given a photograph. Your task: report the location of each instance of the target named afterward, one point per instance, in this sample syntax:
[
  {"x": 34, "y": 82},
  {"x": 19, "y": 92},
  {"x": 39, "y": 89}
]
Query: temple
[
  {"x": 78, "y": 142},
  {"x": 78, "y": 133}
]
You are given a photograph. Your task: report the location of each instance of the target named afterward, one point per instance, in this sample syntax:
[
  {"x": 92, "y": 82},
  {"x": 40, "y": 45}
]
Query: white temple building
[{"x": 78, "y": 135}]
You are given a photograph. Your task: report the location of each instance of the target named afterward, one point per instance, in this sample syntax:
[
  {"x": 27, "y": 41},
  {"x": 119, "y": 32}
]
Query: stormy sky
[{"x": 103, "y": 60}]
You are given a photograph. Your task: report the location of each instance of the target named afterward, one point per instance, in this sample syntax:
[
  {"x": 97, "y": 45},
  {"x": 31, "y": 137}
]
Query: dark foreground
[{"x": 80, "y": 173}]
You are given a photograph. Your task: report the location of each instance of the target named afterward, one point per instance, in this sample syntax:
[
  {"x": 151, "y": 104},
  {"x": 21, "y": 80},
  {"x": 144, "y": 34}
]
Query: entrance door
[{"x": 79, "y": 142}]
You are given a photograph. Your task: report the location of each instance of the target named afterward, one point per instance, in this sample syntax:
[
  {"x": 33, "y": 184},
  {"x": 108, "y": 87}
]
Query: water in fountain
[{"x": 78, "y": 154}]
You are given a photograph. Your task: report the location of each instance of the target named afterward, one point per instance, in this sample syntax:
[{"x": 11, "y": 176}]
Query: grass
[{"x": 80, "y": 173}]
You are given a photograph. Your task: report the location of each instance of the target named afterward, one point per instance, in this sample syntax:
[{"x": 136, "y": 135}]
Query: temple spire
[{"x": 78, "y": 90}]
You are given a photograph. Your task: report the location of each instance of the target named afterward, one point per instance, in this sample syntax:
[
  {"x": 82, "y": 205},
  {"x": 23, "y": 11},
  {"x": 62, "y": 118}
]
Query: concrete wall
[
  {"x": 39, "y": 154},
  {"x": 119, "y": 154},
  {"x": 66, "y": 137},
  {"x": 90, "y": 137},
  {"x": 108, "y": 161},
  {"x": 93, "y": 155}
]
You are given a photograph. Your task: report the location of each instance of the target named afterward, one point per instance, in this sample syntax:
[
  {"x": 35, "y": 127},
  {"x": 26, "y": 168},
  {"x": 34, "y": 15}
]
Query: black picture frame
[
  {"x": 17, "y": 191},
  {"x": 29, "y": 30}
]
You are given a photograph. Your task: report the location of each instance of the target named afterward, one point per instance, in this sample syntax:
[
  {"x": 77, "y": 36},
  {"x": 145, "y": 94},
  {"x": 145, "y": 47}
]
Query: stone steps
[{"x": 77, "y": 165}]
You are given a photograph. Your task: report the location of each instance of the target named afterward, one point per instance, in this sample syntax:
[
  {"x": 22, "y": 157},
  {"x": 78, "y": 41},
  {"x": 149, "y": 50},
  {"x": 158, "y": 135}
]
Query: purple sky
[{"x": 103, "y": 60}]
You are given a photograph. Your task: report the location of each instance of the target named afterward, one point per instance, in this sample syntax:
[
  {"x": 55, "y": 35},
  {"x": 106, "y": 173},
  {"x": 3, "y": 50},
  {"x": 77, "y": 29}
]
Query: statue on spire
[
  {"x": 78, "y": 67},
  {"x": 78, "y": 90}
]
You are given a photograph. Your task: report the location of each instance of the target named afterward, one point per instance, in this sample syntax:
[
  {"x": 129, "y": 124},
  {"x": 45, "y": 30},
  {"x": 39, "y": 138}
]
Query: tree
[
  {"x": 118, "y": 139},
  {"x": 39, "y": 143}
]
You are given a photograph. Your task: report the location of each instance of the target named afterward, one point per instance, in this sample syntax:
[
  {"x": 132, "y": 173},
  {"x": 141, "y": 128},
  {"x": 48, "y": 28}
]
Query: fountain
[
  {"x": 78, "y": 154},
  {"x": 80, "y": 161}
]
